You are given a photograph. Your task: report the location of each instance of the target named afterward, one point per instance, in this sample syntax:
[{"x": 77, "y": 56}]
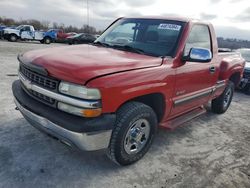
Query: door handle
[{"x": 212, "y": 69}]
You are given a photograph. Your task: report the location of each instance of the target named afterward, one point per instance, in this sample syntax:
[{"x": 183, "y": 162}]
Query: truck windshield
[
  {"x": 19, "y": 27},
  {"x": 155, "y": 37}
]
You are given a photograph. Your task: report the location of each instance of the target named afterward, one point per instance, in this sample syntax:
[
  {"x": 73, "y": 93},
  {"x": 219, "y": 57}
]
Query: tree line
[
  {"x": 233, "y": 43},
  {"x": 45, "y": 25}
]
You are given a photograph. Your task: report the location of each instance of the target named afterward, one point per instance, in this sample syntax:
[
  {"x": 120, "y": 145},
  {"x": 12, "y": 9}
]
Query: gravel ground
[{"x": 210, "y": 151}]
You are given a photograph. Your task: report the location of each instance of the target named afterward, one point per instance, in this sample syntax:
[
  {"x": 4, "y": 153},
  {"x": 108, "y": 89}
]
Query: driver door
[
  {"x": 194, "y": 80},
  {"x": 26, "y": 33}
]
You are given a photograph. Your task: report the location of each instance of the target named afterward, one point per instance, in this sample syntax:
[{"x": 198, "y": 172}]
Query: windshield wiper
[
  {"x": 129, "y": 48},
  {"x": 125, "y": 48},
  {"x": 101, "y": 44},
  {"x": 132, "y": 49}
]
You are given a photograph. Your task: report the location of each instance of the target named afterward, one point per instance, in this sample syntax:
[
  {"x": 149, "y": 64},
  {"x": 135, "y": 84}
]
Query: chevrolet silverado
[{"x": 140, "y": 74}]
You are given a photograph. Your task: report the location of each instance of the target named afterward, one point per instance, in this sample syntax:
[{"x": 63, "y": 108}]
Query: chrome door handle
[{"x": 212, "y": 69}]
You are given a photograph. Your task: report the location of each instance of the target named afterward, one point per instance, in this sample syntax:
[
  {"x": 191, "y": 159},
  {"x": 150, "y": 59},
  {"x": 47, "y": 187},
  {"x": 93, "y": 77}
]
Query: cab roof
[{"x": 174, "y": 18}]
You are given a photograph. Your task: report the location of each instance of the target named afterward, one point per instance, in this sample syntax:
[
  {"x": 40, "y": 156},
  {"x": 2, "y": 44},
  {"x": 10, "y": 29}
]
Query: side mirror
[{"x": 198, "y": 55}]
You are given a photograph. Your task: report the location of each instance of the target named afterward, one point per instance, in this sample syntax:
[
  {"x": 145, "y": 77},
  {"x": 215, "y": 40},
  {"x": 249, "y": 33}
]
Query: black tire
[
  {"x": 47, "y": 40},
  {"x": 127, "y": 116},
  {"x": 221, "y": 103},
  {"x": 247, "y": 89},
  {"x": 42, "y": 41},
  {"x": 13, "y": 38}
]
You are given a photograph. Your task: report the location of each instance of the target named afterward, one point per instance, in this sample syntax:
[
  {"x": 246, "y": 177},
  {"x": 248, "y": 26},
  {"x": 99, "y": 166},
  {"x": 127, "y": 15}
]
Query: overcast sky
[{"x": 230, "y": 17}]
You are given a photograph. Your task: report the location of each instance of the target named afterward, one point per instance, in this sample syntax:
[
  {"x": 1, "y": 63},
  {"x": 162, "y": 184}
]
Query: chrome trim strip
[
  {"x": 218, "y": 85},
  {"x": 61, "y": 98},
  {"x": 83, "y": 141},
  {"x": 221, "y": 82},
  {"x": 190, "y": 98}
]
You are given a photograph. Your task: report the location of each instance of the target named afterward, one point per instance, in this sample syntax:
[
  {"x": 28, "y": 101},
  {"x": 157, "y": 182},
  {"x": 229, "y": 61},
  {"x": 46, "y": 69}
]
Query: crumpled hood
[{"x": 80, "y": 63}]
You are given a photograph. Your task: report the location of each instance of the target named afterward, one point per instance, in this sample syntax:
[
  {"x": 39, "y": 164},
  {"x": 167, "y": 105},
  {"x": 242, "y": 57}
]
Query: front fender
[{"x": 116, "y": 89}]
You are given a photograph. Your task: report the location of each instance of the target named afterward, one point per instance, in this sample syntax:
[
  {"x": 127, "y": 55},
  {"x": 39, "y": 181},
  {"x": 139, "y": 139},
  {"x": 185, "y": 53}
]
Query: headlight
[{"x": 79, "y": 91}]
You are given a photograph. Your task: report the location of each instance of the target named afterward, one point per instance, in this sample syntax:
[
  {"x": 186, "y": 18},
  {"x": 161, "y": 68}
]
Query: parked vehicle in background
[
  {"x": 2, "y": 27},
  {"x": 27, "y": 32},
  {"x": 82, "y": 38},
  {"x": 62, "y": 36},
  {"x": 72, "y": 33},
  {"x": 141, "y": 73},
  {"x": 245, "y": 81},
  {"x": 97, "y": 36}
]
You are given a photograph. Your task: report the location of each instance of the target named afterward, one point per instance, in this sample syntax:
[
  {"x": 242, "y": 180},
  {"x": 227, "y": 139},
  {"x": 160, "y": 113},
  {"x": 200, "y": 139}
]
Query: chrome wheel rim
[
  {"x": 12, "y": 38},
  {"x": 227, "y": 98},
  {"x": 137, "y": 136}
]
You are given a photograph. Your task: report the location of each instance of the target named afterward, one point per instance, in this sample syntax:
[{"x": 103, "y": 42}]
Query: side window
[
  {"x": 26, "y": 28},
  {"x": 199, "y": 37},
  {"x": 122, "y": 34}
]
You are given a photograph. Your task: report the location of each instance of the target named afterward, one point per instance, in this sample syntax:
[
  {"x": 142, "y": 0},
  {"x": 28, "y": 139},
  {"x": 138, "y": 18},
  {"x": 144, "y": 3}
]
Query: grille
[
  {"x": 40, "y": 80},
  {"x": 43, "y": 98}
]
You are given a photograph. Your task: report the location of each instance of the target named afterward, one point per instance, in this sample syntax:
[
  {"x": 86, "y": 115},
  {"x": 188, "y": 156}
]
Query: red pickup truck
[{"x": 141, "y": 73}]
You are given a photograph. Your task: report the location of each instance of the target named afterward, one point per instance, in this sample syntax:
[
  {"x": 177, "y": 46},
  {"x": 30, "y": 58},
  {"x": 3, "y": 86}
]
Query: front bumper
[{"x": 82, "y": 133}]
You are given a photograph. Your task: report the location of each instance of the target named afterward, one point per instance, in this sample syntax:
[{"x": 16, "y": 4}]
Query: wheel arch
[
  {"x": 235, "y": 78},
  {"x": 155, "y": 100},
  {"x": 13, "y": 34}
]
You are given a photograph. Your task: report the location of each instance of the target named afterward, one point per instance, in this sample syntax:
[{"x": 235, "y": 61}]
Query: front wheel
[
  {"x": 221, "y": 103},
  {"x": 47, "y": 40},
  {"x": 135, "y": 128}
]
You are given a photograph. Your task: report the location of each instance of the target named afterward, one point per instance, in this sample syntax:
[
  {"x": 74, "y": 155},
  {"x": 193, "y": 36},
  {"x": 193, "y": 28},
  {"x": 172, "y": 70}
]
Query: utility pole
[{"x": 88, "y": 16}]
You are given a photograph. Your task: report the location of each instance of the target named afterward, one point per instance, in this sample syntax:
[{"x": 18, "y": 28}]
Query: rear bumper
[
  {"x": 5, "y": 36},
  {"x": 87, "y": 134}
]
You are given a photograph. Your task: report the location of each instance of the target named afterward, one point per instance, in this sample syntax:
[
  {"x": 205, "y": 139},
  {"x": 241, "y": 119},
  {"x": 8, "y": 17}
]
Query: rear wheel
[
  {"x": 133, "y": 134},
  {"x": 221, "y": 103},
  {"x": 13, "y": 38}
]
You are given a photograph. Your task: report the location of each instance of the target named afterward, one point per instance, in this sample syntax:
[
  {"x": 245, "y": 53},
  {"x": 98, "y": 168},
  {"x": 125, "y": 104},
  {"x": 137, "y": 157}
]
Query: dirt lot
[{"x": 210, "y": 151}]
